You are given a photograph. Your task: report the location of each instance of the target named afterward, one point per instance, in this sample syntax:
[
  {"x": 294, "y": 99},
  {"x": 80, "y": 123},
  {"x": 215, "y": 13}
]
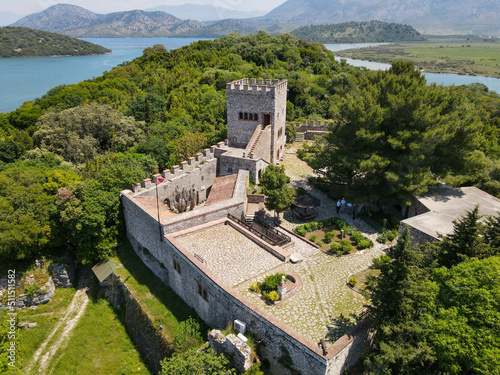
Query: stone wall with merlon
[
  {"x": 229, "y": 165},
  {"x": 256, "y": 99},
  {"x": 198, "y": 178}
]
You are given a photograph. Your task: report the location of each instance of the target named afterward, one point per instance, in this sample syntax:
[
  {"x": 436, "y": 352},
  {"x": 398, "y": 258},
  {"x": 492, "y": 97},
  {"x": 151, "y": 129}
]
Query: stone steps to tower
[{"x": 257, "y": 139}]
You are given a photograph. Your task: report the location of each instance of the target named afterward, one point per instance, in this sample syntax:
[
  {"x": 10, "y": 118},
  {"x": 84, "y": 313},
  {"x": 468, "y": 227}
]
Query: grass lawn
[
  {"x": 159, "y": 301},
  {"x": 46, "y": 317},
  {"x": 446, "y": 56},
  {"x": 99, "y": 344}
]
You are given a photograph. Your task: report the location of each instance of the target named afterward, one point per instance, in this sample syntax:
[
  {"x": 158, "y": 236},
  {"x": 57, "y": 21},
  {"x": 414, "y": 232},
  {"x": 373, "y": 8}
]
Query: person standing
[
  {"x": 338, "y": 206},
  {"x": 342, "y": 204}
]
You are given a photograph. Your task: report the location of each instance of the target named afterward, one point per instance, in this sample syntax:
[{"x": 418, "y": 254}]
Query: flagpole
[{"x": 158, "y": 210}]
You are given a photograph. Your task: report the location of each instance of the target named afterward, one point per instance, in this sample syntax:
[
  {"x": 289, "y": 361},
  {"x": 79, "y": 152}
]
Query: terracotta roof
[{"x": 222, "y": 189}]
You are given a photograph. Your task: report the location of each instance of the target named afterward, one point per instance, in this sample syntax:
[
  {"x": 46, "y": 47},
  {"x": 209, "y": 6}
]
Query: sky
[{"x": 25, "y": 7}]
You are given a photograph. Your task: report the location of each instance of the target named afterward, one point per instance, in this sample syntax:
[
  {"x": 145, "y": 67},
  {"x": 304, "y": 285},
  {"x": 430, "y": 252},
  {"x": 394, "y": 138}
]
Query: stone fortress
[{"x": 193, "y": 227}]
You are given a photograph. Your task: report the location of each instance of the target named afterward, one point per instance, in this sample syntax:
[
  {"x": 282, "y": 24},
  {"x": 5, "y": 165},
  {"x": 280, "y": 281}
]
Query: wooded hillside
[
  {"x": 26, "y": 42},
  {"x": 358, "y": 32}
]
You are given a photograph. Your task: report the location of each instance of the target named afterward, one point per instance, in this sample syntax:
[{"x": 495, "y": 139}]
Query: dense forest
[
  {"x": 65, "y": 157},
  {"x": 358, "y": 32},
  {"x": 25, "y": 42}
]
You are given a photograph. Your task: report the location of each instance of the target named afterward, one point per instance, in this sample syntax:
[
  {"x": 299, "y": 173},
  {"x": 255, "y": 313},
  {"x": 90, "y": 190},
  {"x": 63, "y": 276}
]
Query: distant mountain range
[
  {"x": 204, "y": 12},
  {"x": 427, "y": 16},
  {"x": 76, "y": 21},
  {"x": 480, "y": 17}
]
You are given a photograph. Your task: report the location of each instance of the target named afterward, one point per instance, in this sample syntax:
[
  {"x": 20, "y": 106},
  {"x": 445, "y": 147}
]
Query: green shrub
[
  {"x": 255, "y": 287},
  {"x": 314, "y": 225},
  {"x": 307, "y": 227},
  {"x": 346, "y": 247},
  {"x": 382, "y": 238},
  {"x": 30, "y": 290},
  {"x": 313, "y": 238},
  {"x": 187, "y": 336},
  {"x": 364, "y": 244},
  {"x": 300, "y": 230},
  {"x": 271, "y": 282},
  {"x": 353, "y": 281},
  {"x": 391, "y": 236},
  {"x": 335, "y": 247},
  {"x": 357, "y": 237},
  {"x": 319, "y": 243},
  {"x": 320, "y": 224},
  {"x": 301, "y": 154},
  {"x": 328, "y": 237},
  {"x": 273, "y": 296}
]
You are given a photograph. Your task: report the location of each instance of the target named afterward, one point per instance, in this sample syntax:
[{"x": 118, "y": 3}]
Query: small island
[{"x": 26, "y": 42}]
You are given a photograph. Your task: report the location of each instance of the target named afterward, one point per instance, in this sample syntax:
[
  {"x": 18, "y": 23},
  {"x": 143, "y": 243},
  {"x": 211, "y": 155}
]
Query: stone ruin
[
  {"x": 233, "y": 347},
  {"x": 184, "y": 200}
]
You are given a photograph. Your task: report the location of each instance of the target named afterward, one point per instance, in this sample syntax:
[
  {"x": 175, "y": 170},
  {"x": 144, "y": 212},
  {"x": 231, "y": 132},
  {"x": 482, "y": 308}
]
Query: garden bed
[{"x": 327, "y": 234}]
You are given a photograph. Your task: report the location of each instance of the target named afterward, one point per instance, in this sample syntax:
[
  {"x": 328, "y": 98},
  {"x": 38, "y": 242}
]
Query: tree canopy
[
  {"x": 432, "y": 319},
  {"x": 395, "y": 134},
  {"x": 274, "y": 182}
]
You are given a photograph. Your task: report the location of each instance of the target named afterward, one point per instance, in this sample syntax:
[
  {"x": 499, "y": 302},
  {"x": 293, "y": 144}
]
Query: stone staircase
[
  {"x": 257, "y": 140},
  {"x": 300, "y": 137}
]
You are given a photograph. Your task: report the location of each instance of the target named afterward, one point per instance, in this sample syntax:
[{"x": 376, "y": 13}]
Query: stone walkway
[{"x": 325, "y": 307}]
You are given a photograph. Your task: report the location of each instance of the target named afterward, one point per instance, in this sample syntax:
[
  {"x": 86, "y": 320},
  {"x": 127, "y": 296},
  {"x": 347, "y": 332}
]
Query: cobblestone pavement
[
  {"x": 325, "y": 306},
  {"x": 228, "y": 253}
]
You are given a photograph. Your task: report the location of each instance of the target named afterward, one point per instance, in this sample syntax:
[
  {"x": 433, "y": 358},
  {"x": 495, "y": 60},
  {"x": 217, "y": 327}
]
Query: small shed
[{"x": 102, "y": 270}]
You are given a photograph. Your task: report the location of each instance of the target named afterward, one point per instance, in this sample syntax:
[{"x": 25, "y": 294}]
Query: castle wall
[
  {"x": 192, "y": 178},
  {"x": 147, "y": 338},
  {"x": 223, "y": 305},
  {"x": 230, "y": 164}
]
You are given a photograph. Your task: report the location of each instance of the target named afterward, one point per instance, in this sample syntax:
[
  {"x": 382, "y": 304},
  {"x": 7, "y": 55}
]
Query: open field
[
  {"x": 444, "y": 55},
  {"x": 99, "y": 345}
]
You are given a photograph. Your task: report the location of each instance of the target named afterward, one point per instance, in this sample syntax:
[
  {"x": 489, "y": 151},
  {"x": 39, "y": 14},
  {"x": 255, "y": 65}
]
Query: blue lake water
[
  {"x": 437, "y": 78},
  {"x": 28, "y": 78},
  {"x": 23, "y": 79}
]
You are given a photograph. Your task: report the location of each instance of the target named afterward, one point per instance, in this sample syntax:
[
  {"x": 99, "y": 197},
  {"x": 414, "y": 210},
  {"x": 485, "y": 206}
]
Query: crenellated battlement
[
  {"x": 312, "y": 125},
  {"x": 254, "y": 86},
  {"x": 200, "y": 160}
]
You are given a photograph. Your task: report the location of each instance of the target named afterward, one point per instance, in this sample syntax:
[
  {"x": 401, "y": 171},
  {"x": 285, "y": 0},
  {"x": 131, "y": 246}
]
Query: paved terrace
[
  {"x": 323, "y": 308},
  {"x": 229, "y": 254},
  {"x": 324, "y": 305}
]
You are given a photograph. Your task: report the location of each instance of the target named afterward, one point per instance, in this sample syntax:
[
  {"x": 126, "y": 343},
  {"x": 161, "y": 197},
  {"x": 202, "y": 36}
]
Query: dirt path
[{"x": 61, "y": 333}]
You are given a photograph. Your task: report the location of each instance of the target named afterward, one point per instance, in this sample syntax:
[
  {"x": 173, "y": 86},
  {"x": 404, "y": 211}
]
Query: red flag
[{"x": 159, "y": 180}]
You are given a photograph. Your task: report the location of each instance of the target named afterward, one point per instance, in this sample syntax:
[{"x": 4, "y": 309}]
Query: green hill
[
  {"x": 25, "y": 42},
  {"x": 358, "y": 32}
]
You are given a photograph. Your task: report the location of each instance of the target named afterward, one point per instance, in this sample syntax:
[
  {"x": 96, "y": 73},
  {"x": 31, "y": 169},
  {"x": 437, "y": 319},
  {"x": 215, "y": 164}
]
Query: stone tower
[{"x": 256, "y": 113}]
